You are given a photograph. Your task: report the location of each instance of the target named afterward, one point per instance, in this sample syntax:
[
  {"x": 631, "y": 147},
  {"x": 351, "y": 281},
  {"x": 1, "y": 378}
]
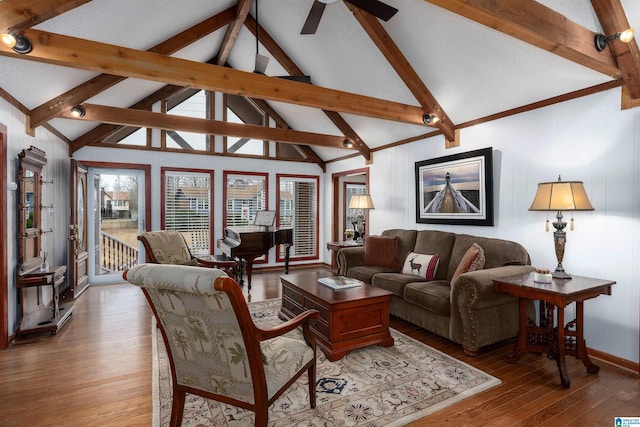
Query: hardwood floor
[{"x": 97, "y": 372}]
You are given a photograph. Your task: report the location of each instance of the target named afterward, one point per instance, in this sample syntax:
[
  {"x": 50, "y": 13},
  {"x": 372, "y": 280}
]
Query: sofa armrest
[
  {"x": 481, "y": 316},
  {"x": 480, "y": 283},
  {"x": 349, "y": 257}
]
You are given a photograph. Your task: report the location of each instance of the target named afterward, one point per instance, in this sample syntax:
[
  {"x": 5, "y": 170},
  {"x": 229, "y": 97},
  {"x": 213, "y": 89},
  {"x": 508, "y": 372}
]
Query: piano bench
[{"x": 223, "y": 262}]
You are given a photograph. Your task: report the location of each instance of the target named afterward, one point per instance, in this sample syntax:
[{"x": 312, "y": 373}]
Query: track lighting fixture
[
  {"x": 347, "y": 143},
  {"x": 78, "y": 111},
  {"x": 601, "y": 40},
  {"x": 429, "y": 119},
  {"x": 17, "y": 42}
]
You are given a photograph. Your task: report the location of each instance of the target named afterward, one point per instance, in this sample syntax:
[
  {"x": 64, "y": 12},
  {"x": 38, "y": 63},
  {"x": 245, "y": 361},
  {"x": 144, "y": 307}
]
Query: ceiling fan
[
  {"x": 262, "y": 61},
  {"x": 376, "y": 8}
]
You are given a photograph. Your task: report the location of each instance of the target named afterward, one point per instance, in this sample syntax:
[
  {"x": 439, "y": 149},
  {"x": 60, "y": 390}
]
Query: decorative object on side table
[
  {"x": 364, "y": 203},
  {"x": 560, "y": 196}
]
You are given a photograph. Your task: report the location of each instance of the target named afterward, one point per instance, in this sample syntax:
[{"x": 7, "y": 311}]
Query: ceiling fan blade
[
  {"x": 301, "y": 79},
  {"x": 313, "y": 19},
  {"x": 376, "y": 8}
]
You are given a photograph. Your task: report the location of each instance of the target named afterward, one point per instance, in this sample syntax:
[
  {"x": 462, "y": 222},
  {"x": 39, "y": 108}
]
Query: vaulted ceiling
[{"x": 372, "y": 80}]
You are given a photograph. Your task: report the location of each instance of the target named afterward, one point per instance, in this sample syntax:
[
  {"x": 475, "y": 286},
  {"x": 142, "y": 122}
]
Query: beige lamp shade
[
  {"x": 361, "y": 201},
  {"x": 561, "y": 196}
]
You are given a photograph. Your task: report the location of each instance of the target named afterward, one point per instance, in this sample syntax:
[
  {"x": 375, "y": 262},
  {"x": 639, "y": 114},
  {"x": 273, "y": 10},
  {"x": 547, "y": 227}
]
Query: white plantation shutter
[
  {"x": 246, "y": 195},
  {"x": 187, "y": 208},
  {"x": 298, "y": 209}
]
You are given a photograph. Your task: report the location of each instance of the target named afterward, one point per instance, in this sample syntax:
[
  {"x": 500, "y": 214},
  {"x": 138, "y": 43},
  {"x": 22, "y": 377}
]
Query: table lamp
[
  {"x": 363, "y": 202},
  {"x": 560, "y": 196}
]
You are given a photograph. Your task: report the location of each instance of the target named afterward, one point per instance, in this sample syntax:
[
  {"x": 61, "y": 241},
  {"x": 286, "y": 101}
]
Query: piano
[{"x": 249, "y": 242}]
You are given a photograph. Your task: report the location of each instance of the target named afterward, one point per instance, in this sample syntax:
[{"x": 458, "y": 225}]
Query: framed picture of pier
[{"x": 456, "y": 189}]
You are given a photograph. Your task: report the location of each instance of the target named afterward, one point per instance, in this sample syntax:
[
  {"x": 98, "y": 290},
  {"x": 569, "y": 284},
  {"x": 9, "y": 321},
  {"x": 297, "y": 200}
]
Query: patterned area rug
[{"x": 374, "y": 386}]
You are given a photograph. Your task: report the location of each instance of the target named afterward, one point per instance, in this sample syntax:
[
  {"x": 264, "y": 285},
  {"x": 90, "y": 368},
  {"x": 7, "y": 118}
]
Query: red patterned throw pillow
[{"x": 472, "y": 260}]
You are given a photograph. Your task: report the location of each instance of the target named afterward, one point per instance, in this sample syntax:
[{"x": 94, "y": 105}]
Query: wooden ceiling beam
[
  {"x": 89, "y": 55},
  {"x": 536, "y": 24},
  {"x": 403, "y": 68},
  {"x": 102, "y": 131},
  {"x": 90, "y": 88},
  {"x": 612, "y": 19},
  {"x": 243, "y": 7},
  {"x": 149, "y": 119},
  {"x": 17, "y": 15},
  {"x": 292, "y": 68}
]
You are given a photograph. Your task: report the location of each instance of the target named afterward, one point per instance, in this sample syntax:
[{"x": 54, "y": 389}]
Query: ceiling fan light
[{"x": 261, "y": 64}]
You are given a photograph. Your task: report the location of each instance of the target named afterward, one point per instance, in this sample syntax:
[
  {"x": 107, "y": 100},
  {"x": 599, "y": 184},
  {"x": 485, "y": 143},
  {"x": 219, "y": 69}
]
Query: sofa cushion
[
  {"x": 497, "y": 252},
  {"x": 472, "y": 260},
  {"x": 434, "y": 296},
  {"x": 421, "y": 265},
  {"x": 365, "y": 273},
  {"x": 393, "y": 282},
  {"x": 381, "y": 251},
  {"x": 436, "y": 242}
]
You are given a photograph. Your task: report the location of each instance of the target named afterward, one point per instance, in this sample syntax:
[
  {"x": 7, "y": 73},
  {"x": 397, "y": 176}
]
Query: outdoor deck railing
[{"x": 116, "y": 255}]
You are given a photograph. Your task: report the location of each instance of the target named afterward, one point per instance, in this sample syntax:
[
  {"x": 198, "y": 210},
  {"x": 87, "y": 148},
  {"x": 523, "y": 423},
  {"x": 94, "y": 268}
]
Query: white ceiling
[{"x": 473, "y": 71}]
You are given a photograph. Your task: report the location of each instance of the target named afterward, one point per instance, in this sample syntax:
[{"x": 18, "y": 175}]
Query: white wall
[
  {"x": 589, "y": 140},
  {"x": 56, "y": 169}
]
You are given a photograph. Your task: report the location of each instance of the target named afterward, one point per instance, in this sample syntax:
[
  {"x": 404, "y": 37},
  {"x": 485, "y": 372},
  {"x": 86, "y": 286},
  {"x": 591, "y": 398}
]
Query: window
[
  {"x": 193, "y": 103},
  {"x": 298, "y": 209},
  {"x": 239, "y": 109},
  {"x": 351, "y": 214},
  {"x": 246, "y": 193},
  {"x": 187, "y": 196}
]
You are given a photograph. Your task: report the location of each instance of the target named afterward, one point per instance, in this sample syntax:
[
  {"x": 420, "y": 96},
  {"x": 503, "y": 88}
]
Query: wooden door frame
[
  {"x": 335, "y": 183},
  {"x": 4, "y": 249}
]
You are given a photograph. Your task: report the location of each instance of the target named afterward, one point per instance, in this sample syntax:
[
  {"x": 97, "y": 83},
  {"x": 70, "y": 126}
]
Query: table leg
[
  {"x": 560, "y": 351},
  {"x": 521, "y": 345},
  {"x": 581, "y": 347}
]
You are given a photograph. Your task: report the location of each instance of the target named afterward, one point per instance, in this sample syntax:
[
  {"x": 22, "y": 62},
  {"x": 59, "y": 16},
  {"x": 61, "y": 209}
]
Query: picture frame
[{"x": 456, "y": 189}]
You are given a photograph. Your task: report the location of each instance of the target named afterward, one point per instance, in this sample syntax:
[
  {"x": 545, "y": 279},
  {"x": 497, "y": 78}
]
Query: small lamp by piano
[
  {"x": 362, "y": 202},
  {"x": 560, "y": 196}
]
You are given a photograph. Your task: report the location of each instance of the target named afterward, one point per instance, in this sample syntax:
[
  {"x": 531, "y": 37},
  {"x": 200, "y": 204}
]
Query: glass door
[{"x": 116, "y": 204}]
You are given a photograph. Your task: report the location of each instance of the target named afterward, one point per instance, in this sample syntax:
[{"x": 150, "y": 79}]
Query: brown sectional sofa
[{"x": 465, "y": 310}]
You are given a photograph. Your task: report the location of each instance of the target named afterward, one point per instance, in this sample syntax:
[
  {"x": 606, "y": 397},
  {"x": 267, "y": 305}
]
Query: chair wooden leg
[
  {"x": 311, "y": 373},
  {"x": 262, "y": 415},
  {"x": 177, "y": 408}
]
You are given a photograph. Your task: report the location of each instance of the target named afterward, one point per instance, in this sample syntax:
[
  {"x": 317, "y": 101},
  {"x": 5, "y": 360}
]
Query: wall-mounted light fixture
[
  {"x": 17, "y": 42},
  {"x": 601, "y": 40},
  {"x": 430, "y": 119},
  {"x": 78, "y": 111},
  {"x": 347, "y": 143}
]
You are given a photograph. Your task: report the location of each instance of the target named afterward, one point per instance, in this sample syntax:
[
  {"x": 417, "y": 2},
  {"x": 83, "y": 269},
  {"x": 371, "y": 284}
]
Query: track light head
[
  {"x": 347, "y": 143},
  {"x": 20, "y": 44},
  {"x": 429, "y": 119},
  {"x": 78, "y": 111},
  {"x": 601, "y": 41}
]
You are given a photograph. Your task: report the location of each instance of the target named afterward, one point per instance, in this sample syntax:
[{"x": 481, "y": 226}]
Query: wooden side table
[
  {"x": 43, "y": 317},
  {"x": 563, "y": 339},
  {"x": 336, "y": 246},
  {"x": 223, "y": 262}
]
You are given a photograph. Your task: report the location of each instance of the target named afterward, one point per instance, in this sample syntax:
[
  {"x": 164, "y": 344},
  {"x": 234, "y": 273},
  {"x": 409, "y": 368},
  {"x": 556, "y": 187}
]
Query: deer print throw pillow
[{"x": 421, "y": 265}]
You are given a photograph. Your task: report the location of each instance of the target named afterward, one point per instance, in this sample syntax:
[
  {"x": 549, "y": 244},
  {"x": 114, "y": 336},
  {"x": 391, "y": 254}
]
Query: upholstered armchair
[
  {"x": 167, "y": 247},
  {"x": 214, "y": 348}
]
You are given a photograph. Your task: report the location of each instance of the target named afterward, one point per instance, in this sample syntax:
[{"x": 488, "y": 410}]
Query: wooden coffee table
[{"x": 349, "y": 318}]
